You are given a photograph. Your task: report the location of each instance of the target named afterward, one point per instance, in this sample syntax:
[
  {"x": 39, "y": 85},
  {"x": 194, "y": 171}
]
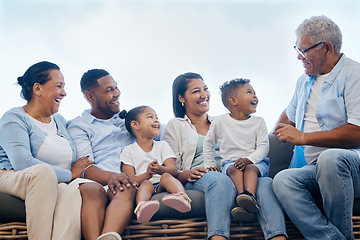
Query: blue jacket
[{"x": 20, "y": 140}]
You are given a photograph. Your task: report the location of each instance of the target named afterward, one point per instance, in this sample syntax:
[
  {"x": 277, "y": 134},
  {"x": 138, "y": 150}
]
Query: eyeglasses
[{"x": 302, "y": 52}]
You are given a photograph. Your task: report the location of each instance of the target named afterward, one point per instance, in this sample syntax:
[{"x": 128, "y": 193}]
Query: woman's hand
[
  {"x": 241, "y": 163},
  {"x": 215, "y": 169},
  {"x": 196, "y": 173},
  {"x": 119, "y": 181},
  {"x": 79, "y": 166}
]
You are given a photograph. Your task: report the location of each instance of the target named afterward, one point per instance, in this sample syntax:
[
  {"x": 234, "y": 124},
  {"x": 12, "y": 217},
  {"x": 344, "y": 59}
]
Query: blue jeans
[
  {"x": 219, "y": 193},
  {"x": 335, "y": 178},
  {"x": 271, "y": 215}
]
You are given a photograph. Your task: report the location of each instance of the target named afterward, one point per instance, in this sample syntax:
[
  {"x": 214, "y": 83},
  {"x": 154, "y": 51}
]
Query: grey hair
[{"x": 321, "y": 29}]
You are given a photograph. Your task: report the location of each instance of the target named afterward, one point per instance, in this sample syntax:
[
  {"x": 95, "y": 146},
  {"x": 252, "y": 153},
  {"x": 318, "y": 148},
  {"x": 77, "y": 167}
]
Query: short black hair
[
  {"x": 229, "y": 87},
  {"x": 89, "y": 79}
]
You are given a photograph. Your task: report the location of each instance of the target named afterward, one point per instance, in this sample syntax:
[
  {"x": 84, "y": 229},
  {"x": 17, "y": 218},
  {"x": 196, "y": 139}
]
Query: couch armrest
[{"x": 280, "y": 155}]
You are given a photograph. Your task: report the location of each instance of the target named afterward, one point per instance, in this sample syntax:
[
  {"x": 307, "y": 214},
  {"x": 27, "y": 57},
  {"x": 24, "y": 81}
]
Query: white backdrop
[{"x": 146, "y": 44}]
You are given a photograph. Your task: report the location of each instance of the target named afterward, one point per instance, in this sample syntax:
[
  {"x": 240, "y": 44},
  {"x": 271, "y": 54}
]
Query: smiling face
[
  {"x": 243, "y": 102},
  {"x": 196, "y": 98},
  {"x": 147, "y": 124},
  {"x": 104, "y": 99},
  {"x": 52, "y": 92},
  {"x": 315, "y": 61}
]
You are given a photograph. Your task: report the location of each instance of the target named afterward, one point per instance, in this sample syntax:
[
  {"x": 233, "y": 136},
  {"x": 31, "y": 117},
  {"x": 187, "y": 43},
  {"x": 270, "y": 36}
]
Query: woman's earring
[{"x": 182, "y": 104}]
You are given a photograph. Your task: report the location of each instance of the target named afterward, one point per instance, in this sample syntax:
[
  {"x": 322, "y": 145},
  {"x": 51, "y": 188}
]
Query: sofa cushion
[
  {"x": 197, "y": 206},
  {"x": 280, "y": 155},
  {"x": 12, "y": 209}
]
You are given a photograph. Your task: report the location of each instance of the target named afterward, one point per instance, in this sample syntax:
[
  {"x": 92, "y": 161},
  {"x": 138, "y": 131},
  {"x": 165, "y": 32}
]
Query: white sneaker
[{"x": 109, "y": 236}]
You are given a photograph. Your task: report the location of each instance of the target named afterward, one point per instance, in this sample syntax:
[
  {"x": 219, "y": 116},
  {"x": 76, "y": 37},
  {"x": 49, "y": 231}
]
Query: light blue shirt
[
  {"x": 101, "y": 140},
  {"x": 339, "y": 102},
  {"x": 20, "y": 140}
]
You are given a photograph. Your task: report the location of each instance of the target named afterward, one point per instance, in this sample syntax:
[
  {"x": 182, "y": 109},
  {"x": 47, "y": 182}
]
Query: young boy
[{"x": 244, "y": 145}]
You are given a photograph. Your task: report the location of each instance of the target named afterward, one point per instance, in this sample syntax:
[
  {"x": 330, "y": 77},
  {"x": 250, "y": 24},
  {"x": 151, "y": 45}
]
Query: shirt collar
[
  {"x": 186, "y": 118},
  {"x": 86, "y": 115}
]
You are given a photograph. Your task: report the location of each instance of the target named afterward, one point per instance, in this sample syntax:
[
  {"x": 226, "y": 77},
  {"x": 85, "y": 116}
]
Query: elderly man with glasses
[{"x": 323, "y": 121}]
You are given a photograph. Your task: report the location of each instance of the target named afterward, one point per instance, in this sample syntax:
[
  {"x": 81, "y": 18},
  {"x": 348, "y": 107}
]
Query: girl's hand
[
  {"x": 241, "y": 163},
  {"x": 79, "y": 166},
  {"x": 196, "y": 173},
  {"x": 154, "y": 167}
]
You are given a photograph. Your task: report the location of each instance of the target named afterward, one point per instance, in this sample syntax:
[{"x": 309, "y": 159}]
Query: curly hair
[{"x": 229, "y": 87}]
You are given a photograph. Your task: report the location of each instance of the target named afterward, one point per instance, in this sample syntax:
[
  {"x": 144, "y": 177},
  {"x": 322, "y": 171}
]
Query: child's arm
[
  {"x": 262, "y": 143},
  {"x": 168, "y": 167},
  {"x": 209, "y": 146},
  {"x": 130, "y": 170}
]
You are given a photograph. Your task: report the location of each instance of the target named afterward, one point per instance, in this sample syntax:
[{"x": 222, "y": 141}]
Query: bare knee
[
  {"x": 127, "y": 194},
  {"x": 232, "y": 170},
  {"x": 251, "y": 168},
  {"x": 166, "y": 177},
  {"x": 93, "y": 191}
]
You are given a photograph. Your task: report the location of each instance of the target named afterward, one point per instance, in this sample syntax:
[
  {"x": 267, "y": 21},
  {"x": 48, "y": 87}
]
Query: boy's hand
[{"x": 241, "y": 163}]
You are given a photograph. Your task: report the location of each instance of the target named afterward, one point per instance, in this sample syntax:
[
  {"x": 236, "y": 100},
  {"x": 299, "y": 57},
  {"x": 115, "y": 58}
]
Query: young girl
[
  {"x": 244, "y": 145},
  {"x": 151, "y": 164}
]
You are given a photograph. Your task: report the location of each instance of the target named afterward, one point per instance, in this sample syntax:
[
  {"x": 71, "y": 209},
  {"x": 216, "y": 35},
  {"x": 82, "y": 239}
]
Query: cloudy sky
[{"x": 145, "y": 44}]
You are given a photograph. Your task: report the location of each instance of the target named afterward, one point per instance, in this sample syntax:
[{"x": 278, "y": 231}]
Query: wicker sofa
[{"x": 167, "y": 223}]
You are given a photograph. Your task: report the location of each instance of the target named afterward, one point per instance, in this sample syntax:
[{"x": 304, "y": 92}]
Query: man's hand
[
  {"x": 120, "y": 181},
  {"x": 288, "y": 133}
]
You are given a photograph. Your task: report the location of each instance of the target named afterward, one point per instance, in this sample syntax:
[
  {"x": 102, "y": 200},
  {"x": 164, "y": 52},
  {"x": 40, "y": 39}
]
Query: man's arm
[
  {"x": 96, "y": 174},
  {"x": 346, "y": 136},
  {"x": 283, "y": 119}
]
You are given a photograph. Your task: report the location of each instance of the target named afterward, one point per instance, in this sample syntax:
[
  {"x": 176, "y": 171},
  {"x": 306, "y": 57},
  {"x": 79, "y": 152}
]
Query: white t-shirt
[
  {"x": 54, "y": 150},
  {"x": 311, "y": 124},
  {"x": 238, "y": 139},
  {"x": 133, "y": 155}
]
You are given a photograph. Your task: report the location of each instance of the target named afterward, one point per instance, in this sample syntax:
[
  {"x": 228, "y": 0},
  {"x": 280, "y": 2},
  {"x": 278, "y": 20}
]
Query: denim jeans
[
  {"x": 219, "y": 193},
  {"x": 271, "y": 215},
  {"x": 335, "y": 178}
]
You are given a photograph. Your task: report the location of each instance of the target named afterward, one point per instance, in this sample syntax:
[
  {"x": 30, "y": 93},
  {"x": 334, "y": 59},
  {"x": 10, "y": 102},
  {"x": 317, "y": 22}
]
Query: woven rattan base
[
  {"x": 14, "y": 230},
  {"x": 194, "y": 228}
]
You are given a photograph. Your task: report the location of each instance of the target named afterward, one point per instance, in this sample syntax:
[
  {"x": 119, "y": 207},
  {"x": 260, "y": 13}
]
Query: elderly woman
[
  {"x": 38, "y": 159},
  {"x": 186, "y": 134}
]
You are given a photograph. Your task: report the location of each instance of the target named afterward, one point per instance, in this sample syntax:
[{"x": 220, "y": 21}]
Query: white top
[
  {"x": 311, "y": 124},
  {"x": 182, "y": 137},
  {"x": 54, "y": 150},
  {"x": 133, "y": 155},
  {"x": 238, "y": 139}
]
